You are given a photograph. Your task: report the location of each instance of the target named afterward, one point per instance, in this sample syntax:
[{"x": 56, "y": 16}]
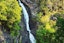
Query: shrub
[
  {"x": 10, "y": 12},
  {"x": 50, "y": 18}
]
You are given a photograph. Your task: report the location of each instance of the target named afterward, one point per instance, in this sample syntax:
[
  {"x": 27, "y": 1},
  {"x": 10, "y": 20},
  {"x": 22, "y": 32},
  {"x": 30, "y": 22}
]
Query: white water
[{"x": 26, "y": 17}]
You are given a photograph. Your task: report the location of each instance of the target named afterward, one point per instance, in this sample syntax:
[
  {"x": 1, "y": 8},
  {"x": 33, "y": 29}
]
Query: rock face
[
  {"x": 32, "y": 4},
  {"x": 5, "y": 37}
]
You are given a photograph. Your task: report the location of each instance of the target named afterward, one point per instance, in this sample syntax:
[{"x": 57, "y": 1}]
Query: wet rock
[{"x": 32, "y": 4}]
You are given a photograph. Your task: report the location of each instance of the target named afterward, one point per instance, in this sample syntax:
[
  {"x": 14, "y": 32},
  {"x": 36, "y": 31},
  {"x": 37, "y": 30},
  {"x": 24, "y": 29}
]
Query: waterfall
[{"x": 26, "y": 17}]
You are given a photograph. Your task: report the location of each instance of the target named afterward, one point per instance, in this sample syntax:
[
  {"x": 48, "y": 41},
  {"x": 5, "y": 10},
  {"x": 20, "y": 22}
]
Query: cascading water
[{"x": 26, "y": 17}]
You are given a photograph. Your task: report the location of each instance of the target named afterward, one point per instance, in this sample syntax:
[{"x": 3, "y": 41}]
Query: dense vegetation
[
  {"x": 50, "y": 20},
  {"x": 10, "y": 15}
]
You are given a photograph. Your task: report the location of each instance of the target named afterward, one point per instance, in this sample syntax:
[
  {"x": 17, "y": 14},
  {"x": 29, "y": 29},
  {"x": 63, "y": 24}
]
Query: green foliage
[
  {"x": 43, "y": 36},
  {"x": 15, "y": 28},
  {"x": 53, "y": 29},
  {"x": 10, "y": 14}
]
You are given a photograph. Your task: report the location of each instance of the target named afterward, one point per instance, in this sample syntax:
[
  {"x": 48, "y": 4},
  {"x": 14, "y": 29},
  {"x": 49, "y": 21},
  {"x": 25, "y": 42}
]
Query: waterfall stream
[{"x": 26, "y": 17}]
